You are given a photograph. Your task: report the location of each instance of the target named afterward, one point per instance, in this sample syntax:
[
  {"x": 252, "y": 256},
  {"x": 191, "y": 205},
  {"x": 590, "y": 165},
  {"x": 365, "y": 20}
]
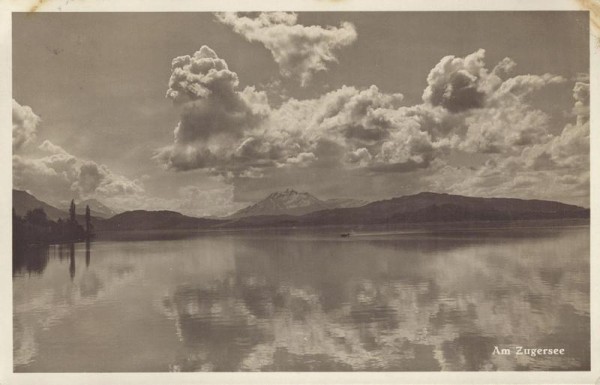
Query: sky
[{"x": 205, "y": 113}]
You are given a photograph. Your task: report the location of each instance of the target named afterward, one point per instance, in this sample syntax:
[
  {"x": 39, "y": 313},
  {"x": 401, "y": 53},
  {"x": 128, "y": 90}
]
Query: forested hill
[{"x": 155, "y": 220}]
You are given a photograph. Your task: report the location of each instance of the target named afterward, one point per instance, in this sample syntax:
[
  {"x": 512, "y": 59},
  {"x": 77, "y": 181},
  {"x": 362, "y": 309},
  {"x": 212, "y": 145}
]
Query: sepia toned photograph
[{"x": 266, "y": 191}]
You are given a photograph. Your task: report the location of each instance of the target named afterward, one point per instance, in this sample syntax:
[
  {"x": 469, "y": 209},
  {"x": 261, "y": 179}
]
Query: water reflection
[
  {"x": 44, "y": 299},
  {"x": 34, "y": 259},
  {"x": 87, "y": 253},
  {"x": 72, "y": 260},
  {"x": 447, "y": 303},
  {"x": 217, "y": 329},
  {"x": 302, "y": 301}
]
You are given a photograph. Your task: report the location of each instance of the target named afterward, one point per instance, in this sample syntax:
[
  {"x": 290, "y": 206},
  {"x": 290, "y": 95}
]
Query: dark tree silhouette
[
  {"x": 72, "y": 267},
  {"x": 89, "y": 228},
  {"x": 37, "y": 217},
  {"x": 72, "y": 211},
  {"x": 87, "y": 252},
  {"x": 37, "y": 229}
]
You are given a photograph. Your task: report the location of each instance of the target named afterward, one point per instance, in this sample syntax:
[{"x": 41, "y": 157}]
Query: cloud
[
  {"x": 51, "y": 148},
  {"x": 238, "y": 134},
  {"x": 581, "y": 94},
  {"x": 198, "y": 201},
  {"x": 462, "y": 84},
  {"x": 504, "y": 68},
  {"x": 64, "y": 175},
  {"x": 300, "y": 51},
  {"x": 231, "y": 132},
  {"x": 467, "y": 109},
  {"x": 213, "y": 113},
  {"x": 556, "y": 168},
  {"x": 192, "y": 200},
  {"x": 89, "y": 178},
  {"x": 348, "y": 127},
  {"x": 361, "y": 156},
  {"x": 496, "y": 130},
  {"x": 303, "y": 159},
  {"x": 25, "y": 125},
  {"x": 409, "y": 148},
  {"x": 457, "y": 84},
  {"x": 519, "y": 87},
  {"x": 492, "y": 113}
]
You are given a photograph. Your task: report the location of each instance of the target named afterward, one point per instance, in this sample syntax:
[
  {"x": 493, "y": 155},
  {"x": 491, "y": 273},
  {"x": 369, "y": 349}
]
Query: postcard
[{"x": 313, "y": 192}]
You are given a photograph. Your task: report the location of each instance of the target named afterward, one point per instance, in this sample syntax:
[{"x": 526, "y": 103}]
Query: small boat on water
[{"x": 345, "y": 235}]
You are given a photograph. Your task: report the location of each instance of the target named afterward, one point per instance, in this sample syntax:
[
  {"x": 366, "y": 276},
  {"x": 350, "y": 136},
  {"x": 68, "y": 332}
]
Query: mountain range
[
  {"x": 292, "y": 208},
  {"x": 24, "y": 202},
  {"x": 435, "y": 207}
]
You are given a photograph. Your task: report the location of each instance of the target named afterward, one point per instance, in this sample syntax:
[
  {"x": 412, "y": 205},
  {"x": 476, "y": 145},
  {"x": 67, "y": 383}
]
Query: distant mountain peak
[
  {"x": 287, "y": 192},
  {"x": 293, "y": 202}
]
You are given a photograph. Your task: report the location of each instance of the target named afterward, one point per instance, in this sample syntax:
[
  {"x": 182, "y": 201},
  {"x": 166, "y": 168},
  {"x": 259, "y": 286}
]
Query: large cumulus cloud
[
  {"x": 25, "y": 123},
  {"x": 213, "y": 111},
  {"x": 300, "y": 51},
  {"x": 461, "y": 84},
  {"x": 457, "y": 83}
]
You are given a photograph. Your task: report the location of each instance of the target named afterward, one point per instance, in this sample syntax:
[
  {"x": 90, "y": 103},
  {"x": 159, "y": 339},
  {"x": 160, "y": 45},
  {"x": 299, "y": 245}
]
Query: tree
[
  {"x": 37, "y": 229},
  {"x": 19, "y": 233},
  {"x": 72, "y": 211},
  {"x": 37, "y": 217},
  {"x": 88, "y": 221}
]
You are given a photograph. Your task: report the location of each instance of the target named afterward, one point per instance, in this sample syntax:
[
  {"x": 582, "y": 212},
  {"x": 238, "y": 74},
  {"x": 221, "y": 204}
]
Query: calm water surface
[{"x": 301, "y": 300}]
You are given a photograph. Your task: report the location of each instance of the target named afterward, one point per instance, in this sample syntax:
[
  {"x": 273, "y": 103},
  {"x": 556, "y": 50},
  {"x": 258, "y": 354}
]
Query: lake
[{"x": 383, "y": 299}]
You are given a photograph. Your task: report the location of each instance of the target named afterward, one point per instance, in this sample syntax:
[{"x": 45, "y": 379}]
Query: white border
[{"x": 8, "y": 377}]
